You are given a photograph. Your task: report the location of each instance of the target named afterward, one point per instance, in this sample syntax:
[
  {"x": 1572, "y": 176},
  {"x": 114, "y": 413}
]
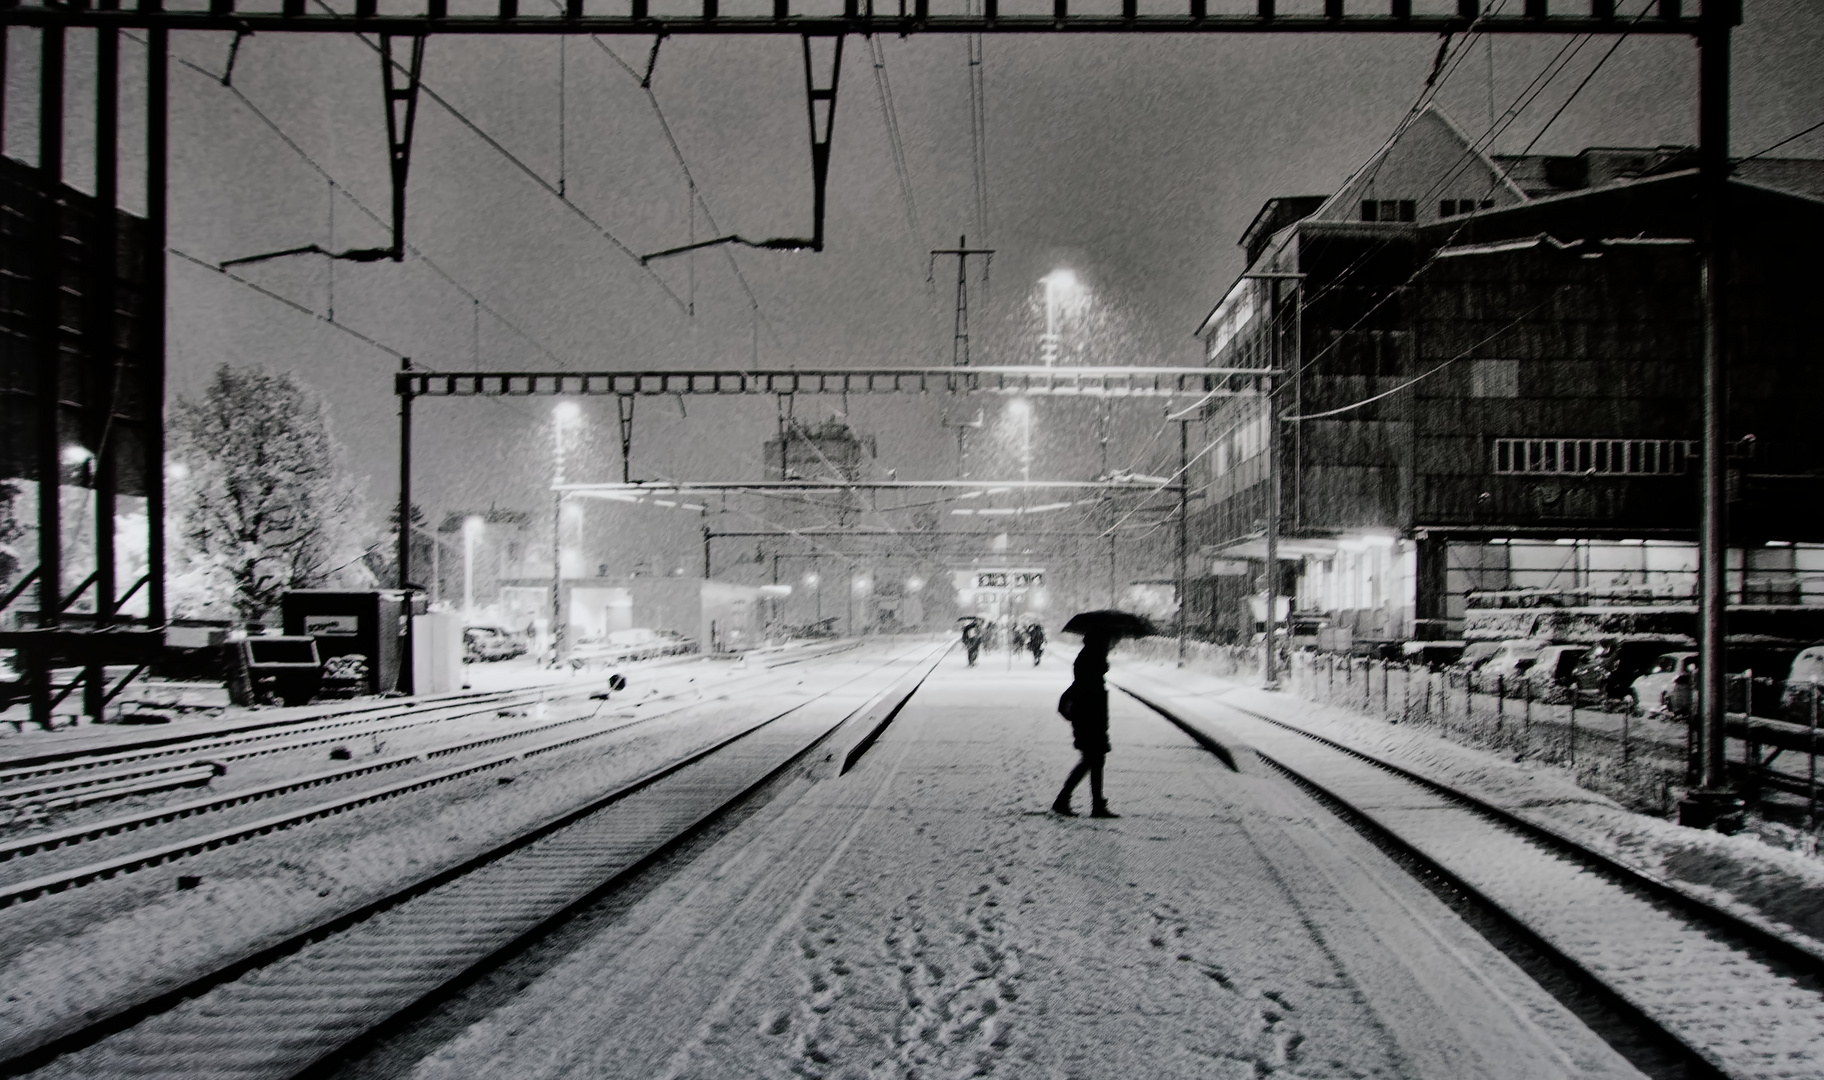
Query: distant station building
[
  {"x": 829, "y": 451},
  {"x": 1492, "y": 385}
]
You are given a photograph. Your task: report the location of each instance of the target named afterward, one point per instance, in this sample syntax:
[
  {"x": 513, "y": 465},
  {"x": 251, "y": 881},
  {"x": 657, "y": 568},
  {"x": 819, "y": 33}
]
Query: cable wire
[{"x": 895, "y": 146}]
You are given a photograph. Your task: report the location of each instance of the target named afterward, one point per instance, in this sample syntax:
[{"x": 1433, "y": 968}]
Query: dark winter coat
[{"x": 1089, "y": 700}]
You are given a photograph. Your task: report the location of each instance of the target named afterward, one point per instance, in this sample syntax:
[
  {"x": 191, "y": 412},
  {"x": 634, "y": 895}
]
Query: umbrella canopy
[
  {"x": 969, "y": 618},
  {"x": 1110, "y": 624}
]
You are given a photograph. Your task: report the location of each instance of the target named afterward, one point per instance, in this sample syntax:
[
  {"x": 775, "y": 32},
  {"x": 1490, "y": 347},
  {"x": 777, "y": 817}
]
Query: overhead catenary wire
[
  {"x": 338, "y": 187},
  {"x": 532, "y": 174},
  {"x": 288, "y": 302},
  {"x": 698, "y": 200},
  {"x": 895, "y": 145},
  {"x": 1796, "y": 136},
  {"x": 978, "y": 126},
  {"x": 1432, "y": 258}
]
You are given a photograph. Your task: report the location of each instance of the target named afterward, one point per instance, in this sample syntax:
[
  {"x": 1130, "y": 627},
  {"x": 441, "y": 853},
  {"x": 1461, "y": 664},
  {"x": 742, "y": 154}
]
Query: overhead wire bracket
[
  {"x": 820, "y": 107},
  {"x": 401, "y": 117},
  {"x": 401, "y": 75}
]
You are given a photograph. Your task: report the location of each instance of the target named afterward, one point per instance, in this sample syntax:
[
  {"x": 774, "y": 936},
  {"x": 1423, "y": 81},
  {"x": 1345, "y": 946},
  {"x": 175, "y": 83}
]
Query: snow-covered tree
[{"x": 261, "y": 499}]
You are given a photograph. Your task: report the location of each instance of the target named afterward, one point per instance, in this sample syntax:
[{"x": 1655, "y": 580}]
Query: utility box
[
  {"x": 360, "y": 635},
  {"x": 436, "y": 653},
  {"x": 282, "y": 668}
]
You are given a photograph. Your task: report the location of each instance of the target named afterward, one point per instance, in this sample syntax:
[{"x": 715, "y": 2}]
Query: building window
[
  {"x": 1494, "y": 378},
  {"x": 1453, "y": 207},
  {"x": 1389, "y": 210},
  {"x": 1600, "y": 457}
]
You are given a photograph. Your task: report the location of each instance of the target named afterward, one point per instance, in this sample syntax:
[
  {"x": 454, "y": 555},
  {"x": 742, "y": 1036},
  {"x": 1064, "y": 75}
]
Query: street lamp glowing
[
  {"x": 914, "y": 584},
  {"x": 1019, "y": 409},
  {"x": 1061, "y": 287},
  {"x": 810, "y": 580},
  {"x": 566, "y": 411},
  {"x": 176, "y": 470}
]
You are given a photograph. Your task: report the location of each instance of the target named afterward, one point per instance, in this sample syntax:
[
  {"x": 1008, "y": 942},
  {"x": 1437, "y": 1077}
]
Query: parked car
[
  {"x": 483, "y": 644},
  {"x": 1434, "y": 655},
  {"x": 1652, "y": 691},
  {"x": 1799, "y": 701},
  {"x": 1551, "y": 677},
  {"x": 1756, "y": 680},
  {"x": 1474, "y": 655},
  {"x": 1609, "y": 669},
  {"x": 1510, "y": 662}
]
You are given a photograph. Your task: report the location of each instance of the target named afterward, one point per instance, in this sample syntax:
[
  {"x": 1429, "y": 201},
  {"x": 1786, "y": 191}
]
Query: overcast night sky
[{"x": 1135, "y": 161}]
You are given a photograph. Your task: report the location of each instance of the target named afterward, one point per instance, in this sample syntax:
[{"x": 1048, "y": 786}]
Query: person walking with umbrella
[
  {"x": 972, "y": 636},
  {"x": 1035, "y": 640},
  {"x": 1085, "y": 703}
]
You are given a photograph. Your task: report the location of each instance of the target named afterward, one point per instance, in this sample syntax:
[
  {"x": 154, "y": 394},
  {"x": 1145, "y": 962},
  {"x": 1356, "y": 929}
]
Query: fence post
[
  {"x": 1526, "y": 704},
  {"x": 1500, "y": 702},
  {"x": 1573, "y": 724},
  {"x": 1811, "y": 781},
  {"x": 1573, "y": 749}
]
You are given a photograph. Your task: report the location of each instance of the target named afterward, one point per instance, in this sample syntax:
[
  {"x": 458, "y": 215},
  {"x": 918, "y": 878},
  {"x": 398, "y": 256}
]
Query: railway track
[
  {"x": 275, "y": 1012},
  {"x": 1728, "y": 994},
  {"x": 64, "y": 879},
  {"x": 73, "y": 779}
]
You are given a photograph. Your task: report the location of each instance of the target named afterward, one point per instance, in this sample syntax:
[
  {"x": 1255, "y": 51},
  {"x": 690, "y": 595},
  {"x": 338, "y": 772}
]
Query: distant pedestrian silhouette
[
  {"x": 1085, "y": 705},
  {"x": 972, "y": 640},
  {"x": 1035, "y": 640}
]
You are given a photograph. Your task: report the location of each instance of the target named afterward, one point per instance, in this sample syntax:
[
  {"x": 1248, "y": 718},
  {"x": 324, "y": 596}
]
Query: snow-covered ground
[
  {"x": 925, "y": 916},
  {"x": 90, "y": 950}
]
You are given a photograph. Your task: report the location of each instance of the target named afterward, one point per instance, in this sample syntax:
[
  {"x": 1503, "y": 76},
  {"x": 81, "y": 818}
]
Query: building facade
[{"x": 1491, "y": 383}]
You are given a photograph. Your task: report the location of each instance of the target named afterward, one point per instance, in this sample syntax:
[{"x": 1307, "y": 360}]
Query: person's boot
[
  {"x": 1061, "y": 805},
  {"x": 1101, "y": 810}
]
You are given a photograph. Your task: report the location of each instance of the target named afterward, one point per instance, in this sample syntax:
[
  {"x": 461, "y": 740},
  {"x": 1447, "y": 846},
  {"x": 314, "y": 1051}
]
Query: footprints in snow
[{"x": 1268, "y": 1041}]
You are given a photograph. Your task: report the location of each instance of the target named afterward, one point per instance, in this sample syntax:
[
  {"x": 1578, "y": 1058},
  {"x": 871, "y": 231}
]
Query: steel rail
[
  {"x": 266, "y": 742},
  {"x": 477, "y": 941},
  {"x": 1744, "y": 935},
  {"x": 48, "y": 841},
  {"x": 1762, "y": 933}
]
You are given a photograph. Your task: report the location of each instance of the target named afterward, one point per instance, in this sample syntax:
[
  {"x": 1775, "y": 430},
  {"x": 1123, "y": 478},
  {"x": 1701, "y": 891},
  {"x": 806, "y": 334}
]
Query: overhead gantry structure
[{"x": 36, "y": 255}]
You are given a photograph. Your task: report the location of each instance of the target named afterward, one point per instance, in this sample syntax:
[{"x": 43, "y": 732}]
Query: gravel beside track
[
  {"x": 333, "y": 983},
  {"x": 1704, "y": 977}
]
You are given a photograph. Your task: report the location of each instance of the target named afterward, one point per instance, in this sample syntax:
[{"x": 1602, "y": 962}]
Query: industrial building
[{"x": 1491, "y": 376}]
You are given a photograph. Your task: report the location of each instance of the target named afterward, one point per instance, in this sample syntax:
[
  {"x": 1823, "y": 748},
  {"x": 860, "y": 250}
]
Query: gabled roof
[{"x": 1429, "y": 144}]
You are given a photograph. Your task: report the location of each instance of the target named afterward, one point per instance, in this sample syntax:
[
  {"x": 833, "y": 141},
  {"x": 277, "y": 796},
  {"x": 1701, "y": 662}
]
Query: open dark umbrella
[
  {"x": 969, "y": 618},
  {"x": 1110, "y": 624}
]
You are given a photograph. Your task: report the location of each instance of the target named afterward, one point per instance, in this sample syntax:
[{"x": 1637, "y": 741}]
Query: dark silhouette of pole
[
  {"x": 407, "y": 683},
  {"x": 1714, "y": 798}
]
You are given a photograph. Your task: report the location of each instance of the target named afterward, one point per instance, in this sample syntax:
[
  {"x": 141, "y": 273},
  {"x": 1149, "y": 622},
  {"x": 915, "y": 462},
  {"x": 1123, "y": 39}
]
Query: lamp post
[
  {"x": 563, "y": 414},
  {"x": 471, "y": 532},
  {"x": 1060, "y": 286}
]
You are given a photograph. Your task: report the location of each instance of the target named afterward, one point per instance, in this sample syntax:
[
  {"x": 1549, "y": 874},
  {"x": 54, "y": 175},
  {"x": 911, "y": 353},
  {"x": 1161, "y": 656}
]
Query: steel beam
[
  {"x": 1091, "y": 382},
  {"x": 430, "y": 17},
  {"x": 715, "y": 487}
]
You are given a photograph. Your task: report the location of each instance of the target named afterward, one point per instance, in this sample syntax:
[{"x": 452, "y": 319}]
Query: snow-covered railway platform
[{"x": 924, "y": 915}]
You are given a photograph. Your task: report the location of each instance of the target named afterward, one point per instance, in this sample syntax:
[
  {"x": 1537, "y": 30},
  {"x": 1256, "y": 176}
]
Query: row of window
[
  {"x": 1408, "y": 210},
  {"x": 1602, "y": 457},
  {"x": 1453, "y": 207},
  {"x": 1389, "y": 210}
]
